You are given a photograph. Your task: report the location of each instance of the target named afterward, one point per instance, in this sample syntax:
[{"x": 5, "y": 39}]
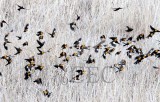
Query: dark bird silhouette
[
  {"x": 20, "y": 8},
  {"x": 19, "y": 50},
  {"x": 30, "y": 59},
  {"x": 26, "y": 28},
  {"x": 9, "y": 60},
  {"x": 78, "y": 17},
  {"x": 72, "y": 26},
  {"x": 150, "y": 34},
  {"x": 117, "y": 53},
  {"x": 25, "y": 43},
  {"x": 5, "y": 46},
  {"x": 53, "y": 33},
  {"x": 40, "y": 44},
  {"x": 0, "y": 74},
  {"x": 27, "y": 75},
  {"x": 38, "y": 81},
  {"x": 19, "y": 37},
  {"x": 140, "y": 36},
  {"x": 153, "y": 29},
  {"x": 47, "y": 93},
  {"x": 129, "y": 29},
  {"x": 40, "y": 52},
  {"x": 2, "y": 23},
  {"x": 61, "y": 66},
  {"x": 155, "y": 67},
  {"x": 89, "y": 61},
  {"x": 116, "y": 9},
  {"x": 39, "y": 67}
]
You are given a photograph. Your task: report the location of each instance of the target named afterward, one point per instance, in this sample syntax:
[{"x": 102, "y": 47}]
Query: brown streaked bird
[
  {"x": 140, "y": 36},
  {"x": 19, "y": 50},
  {"x": 3, "y": 22},
  {"x": 25, "y": 43},
  {"x": 47, "y": 93},
  {"x": 27, "y": 75},
  {"x": 72, "y": 26},
  {"x": 19, "y": 37},
  {"x": 41, "y": 44},
  {"x": 116, "y": 9},
  {"x": 75, "y": 54},
  {"x": 53, "y": 33},
  {"x": 128, "y": 43},
  {"x": 39, "y": 67},
  {"x": 38, "y": 81},
  {"x": 129, "y": 29},
  {"x": 26, "y": 28}
]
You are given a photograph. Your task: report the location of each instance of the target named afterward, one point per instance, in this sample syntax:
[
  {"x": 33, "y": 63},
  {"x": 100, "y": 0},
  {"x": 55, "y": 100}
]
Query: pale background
[{"x": 138, "y": 83}]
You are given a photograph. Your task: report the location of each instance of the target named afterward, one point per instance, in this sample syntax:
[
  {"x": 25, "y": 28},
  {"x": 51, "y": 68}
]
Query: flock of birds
[{"x": 107, "y": 50}]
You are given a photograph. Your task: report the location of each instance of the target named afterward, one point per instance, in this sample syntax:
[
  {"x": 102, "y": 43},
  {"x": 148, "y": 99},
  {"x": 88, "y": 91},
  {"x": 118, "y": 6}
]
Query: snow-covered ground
[{"x": 137, "y": 83}]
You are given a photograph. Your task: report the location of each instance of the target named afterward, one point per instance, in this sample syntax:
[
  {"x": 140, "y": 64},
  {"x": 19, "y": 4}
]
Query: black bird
[
  {"x": 40, "y": 44},
  {"x": 38, "y": 81},
  {"x": 40, "y": 52},
  {"x": 5, "y": 46},
  {"x": 30, "y": 59},
  {"x": 72, "y": 26},
  {"x": 20, "y": 8},
  {"x": 140, "y": 36},
  {"x": 47, "y": 93},
  {"x": 78, "y": 17},
  {"x": 39, "y": 67},
  {"x": 19, "y": 50},
  {"x": 27, "y": 75},
  {"x": 116, "y": 9},
  {"x": 153, "y": 29},
  {"x": 77, "y": 41},
  {"x": 80, "y": 72},
  {"x": 0, "y": 74},
  {"x": 25, "y": 43},
  {"x": 129, "y": 29},
  {"x": 19, "y": 37},
  {"x": 89, "y": 61},
  {"x": 53, "y": 33},
  {"x": 150, "y": 34},
  {"x": 26, "y": 28},
  {"x": 9, "y": 60},
  {"x": 155, "y": 67},
  {"x": 2, "y": 23},
  {"x": 117, "y": 53}
]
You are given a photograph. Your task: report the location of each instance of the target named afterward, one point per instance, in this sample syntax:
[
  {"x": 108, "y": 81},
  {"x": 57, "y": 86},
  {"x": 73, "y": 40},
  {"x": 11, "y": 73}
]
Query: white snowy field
[{"x": 137, "y": 83}]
